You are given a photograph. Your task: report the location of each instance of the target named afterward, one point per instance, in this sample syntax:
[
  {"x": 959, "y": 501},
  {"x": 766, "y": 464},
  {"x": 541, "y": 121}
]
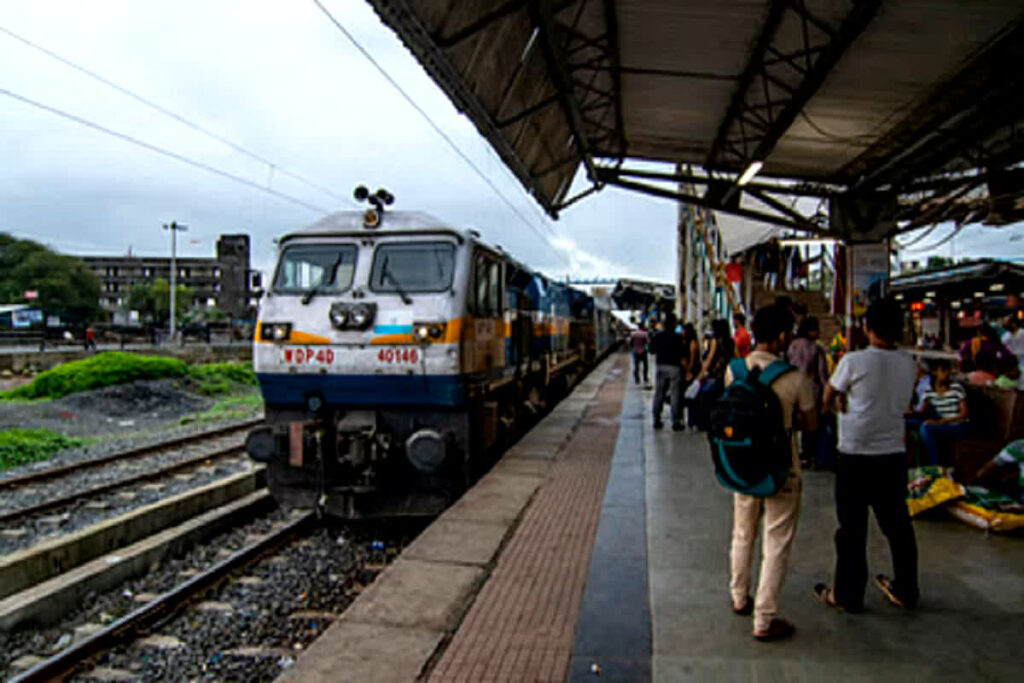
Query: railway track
[
  {"x": 128, "y": 627},
  {"x": 9, "y": 483},
  {"x": 214, "y": 613},
  {"x": 67, "y": 500}
]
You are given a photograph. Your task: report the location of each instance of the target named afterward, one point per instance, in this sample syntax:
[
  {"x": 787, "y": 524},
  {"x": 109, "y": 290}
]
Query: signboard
[
  {"x": 869, "y": 274},
  {"x": 31, "y": 294},
  {"x": 26, "y": 317}
]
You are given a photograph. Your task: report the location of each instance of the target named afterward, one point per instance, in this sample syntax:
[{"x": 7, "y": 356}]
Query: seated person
[
  {"x": 984, "y": 373},
  {"x": 1005, "y": 472},
  {"x": 1009, "y": 375},
  {"x": 943, "y": 413}
]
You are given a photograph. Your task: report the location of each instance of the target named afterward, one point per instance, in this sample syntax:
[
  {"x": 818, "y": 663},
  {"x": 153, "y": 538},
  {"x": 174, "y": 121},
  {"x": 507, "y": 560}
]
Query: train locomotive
[{"x": 396, "y": 355}]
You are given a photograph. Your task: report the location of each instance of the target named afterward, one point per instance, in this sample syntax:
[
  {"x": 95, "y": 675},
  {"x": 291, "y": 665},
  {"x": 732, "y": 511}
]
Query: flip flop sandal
[
  {"x": 778, "y": 629},
  {"x": 747, "y": 609},
  {"x": 885, "y": 584},
  {"x": 826, "y": 595}
]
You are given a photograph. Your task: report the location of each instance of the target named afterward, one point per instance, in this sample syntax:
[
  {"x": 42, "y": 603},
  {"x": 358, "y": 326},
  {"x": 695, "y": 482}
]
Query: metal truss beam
[
  {"x": 611, "y": 177},
  {"x": 768, "y": 98},
  {"x": 611, "y": 22},
  {"x": 472, "y": 28},
  {"x": 548, "y": 32},
  {"x": 794, "y": 190}
]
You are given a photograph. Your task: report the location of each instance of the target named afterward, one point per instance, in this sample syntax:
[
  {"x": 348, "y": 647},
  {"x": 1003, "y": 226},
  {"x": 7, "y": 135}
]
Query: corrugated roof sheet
[{"x": 668, "y": 70}]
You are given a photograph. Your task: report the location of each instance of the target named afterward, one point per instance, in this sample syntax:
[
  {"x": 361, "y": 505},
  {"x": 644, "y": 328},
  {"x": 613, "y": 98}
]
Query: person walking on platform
[
  {"x": 740, "y": 337},
  {"x": 638, "y": 341},
  {"x": 772, "y": 328},
  {"x": 872, "y": 389},
  {"x": 667, "y": 347}
]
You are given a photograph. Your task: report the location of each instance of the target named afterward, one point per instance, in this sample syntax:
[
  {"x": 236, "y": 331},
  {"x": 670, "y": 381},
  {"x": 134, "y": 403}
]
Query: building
[
  {"x": 950, "y": 302},
  {"x": 225, "y": 282}
]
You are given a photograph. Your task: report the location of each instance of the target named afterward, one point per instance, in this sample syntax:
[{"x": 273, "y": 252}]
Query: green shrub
[
  {"x": 237, "y": 372},
  {"x": 101, "y": 370},
  {"x": 19, "y": 446}
]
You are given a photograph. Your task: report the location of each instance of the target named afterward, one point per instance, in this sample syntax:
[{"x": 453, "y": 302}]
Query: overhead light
[
  {"x": 929, "y": 293},
  {"x": 808, "y": 242},
  {"x": 899, "y": 297},
  {"x": 955, "y": 304},
  {"x": 752, "y": 170},
  {"x": 996, "y": 287},
  {"x": 979, "y": 295}
]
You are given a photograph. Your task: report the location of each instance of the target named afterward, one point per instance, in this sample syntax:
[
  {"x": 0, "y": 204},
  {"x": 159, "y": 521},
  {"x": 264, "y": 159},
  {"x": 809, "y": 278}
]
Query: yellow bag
[
  {"x": 929, "y": 487},
  {"x": 988, "y": 511}
]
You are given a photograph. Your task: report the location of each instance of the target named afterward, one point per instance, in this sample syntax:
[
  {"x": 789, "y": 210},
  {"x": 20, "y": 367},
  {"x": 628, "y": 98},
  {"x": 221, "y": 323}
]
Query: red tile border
[{"x": 520, "y": 627}]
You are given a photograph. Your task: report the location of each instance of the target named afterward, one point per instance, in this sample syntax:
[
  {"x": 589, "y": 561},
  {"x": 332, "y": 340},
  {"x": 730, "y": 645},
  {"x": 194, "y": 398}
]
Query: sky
[{"x": 278, "y": 80}]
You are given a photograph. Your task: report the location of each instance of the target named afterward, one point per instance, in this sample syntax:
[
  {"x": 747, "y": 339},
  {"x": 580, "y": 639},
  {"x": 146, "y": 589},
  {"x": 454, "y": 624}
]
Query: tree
[
  {"x": 64, "y": 284},
  {"x": 939, "y": 262},
  {"x": 153, "y": 301}
]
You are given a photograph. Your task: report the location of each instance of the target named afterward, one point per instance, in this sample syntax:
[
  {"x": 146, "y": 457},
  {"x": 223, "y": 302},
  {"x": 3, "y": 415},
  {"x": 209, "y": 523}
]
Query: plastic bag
[{"x": 692, "y": 390}]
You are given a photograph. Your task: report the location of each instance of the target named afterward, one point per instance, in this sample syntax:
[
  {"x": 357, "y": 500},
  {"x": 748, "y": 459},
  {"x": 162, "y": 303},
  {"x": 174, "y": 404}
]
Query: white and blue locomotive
[{"x": 395, "y": 355}]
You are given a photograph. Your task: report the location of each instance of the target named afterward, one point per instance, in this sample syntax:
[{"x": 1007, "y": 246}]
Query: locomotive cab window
[
  {"x": 405, "y": 267},
  {"x": 487, "y": 287},
  {"x": 329, "y": 267}
]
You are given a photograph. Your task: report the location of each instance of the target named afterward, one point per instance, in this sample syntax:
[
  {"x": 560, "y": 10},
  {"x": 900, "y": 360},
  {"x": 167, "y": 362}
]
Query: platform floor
[{"x": 597, "y": 550}]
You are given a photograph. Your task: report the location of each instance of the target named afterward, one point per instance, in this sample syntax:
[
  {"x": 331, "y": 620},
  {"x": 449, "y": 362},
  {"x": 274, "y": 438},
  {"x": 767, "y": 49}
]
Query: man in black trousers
[{"x": 871, "y": 390}]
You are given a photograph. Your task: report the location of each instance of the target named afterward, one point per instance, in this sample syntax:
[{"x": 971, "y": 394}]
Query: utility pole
[{"x": 174, "y": 228}]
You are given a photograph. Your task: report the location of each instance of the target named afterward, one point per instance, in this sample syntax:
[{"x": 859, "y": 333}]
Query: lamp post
[{"x": 174, "y": 228}]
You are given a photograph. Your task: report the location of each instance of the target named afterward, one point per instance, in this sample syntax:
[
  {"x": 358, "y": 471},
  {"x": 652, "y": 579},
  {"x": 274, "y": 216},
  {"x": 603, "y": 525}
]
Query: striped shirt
[{"x": 947, "y": 404}]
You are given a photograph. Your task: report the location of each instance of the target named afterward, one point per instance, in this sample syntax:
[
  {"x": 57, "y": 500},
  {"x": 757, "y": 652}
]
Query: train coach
[{"x": 396, "y": 355}]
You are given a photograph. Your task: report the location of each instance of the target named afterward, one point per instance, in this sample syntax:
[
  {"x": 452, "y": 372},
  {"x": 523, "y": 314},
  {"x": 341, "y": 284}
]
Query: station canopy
[{"x": 895, "y": 115}]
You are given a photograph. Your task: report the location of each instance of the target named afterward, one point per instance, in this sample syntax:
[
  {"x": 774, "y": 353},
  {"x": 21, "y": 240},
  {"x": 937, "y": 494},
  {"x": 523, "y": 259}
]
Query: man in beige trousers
[{"x": 773, "y": 328}]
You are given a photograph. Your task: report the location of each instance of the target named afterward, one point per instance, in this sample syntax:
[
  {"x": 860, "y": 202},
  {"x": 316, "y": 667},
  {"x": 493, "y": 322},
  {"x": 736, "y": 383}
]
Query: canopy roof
[{"x": 899, "y": 114}]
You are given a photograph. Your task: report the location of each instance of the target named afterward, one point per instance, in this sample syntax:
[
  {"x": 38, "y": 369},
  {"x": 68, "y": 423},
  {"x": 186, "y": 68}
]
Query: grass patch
[
  {"x": 115, "y": 367},
  {"x": 237, "y": 372},
  {"x": 19, "y": 446},
  {"x": 232, "y": 408},
  {"x": 217, "y": 379},
  {"x": 102, "y": 370}
]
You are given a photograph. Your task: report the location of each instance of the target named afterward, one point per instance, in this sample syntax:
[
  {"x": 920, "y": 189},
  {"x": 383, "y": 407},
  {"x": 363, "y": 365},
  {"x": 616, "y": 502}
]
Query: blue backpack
[{"x": 750, "y": 446}]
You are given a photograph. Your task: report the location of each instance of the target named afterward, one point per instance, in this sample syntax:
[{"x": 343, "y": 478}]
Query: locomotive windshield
[
  {"x": 327, "y": 267},
  {"x": 413, "y": 267}
]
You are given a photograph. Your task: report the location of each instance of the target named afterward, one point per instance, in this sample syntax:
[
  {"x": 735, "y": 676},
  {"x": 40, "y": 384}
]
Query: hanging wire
[{"x": 164, "y": 152}]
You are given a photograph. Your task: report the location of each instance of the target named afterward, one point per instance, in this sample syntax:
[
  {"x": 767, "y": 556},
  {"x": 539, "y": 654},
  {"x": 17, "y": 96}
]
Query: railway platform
[{"x": 597, "y": 550}]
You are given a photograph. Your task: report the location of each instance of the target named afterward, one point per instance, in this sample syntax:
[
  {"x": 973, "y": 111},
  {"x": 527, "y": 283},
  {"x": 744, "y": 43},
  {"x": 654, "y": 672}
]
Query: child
[{"x": 1009, "y": 376}]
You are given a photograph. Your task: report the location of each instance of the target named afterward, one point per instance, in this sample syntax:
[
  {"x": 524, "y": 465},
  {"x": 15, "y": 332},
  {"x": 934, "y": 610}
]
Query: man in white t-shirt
[
  {"x": 1013, "y": 338},
  {"x": 872, "y": 390}
]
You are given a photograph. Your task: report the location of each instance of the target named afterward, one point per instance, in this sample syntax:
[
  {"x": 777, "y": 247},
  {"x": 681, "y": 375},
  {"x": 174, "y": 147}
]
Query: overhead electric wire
[
  {"x": 917, "y": 239},
  {"x": 162, "y": 151},
  {"x": 945, "y": 239},
  {"x": 437, "y": 129},
  {"x": 174, "y": 115}
]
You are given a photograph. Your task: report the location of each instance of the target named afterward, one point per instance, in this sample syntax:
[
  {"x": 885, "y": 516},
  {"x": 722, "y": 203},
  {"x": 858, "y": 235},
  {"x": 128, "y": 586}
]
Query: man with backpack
[{"x": 754, "y": 450}]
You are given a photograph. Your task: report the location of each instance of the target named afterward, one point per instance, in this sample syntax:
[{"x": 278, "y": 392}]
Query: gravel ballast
[{"x": 249, "y": 628}]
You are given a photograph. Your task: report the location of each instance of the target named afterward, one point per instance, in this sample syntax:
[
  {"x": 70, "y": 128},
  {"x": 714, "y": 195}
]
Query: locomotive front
[{"x": 357, "y": 354}]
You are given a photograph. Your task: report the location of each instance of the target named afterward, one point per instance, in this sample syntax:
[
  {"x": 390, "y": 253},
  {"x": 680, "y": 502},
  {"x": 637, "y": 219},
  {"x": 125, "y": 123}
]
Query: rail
[
  {"x": 68, "y": 661},
  {"x": 53, "y": 472}
]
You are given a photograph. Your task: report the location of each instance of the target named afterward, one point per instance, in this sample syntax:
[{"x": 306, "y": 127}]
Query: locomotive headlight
[
  {"x": 427, "y": 331},
  {"x": 339, "y": 316},
  {"x": 362, "y": 315},
  {"x": 275, "y": 331}
]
